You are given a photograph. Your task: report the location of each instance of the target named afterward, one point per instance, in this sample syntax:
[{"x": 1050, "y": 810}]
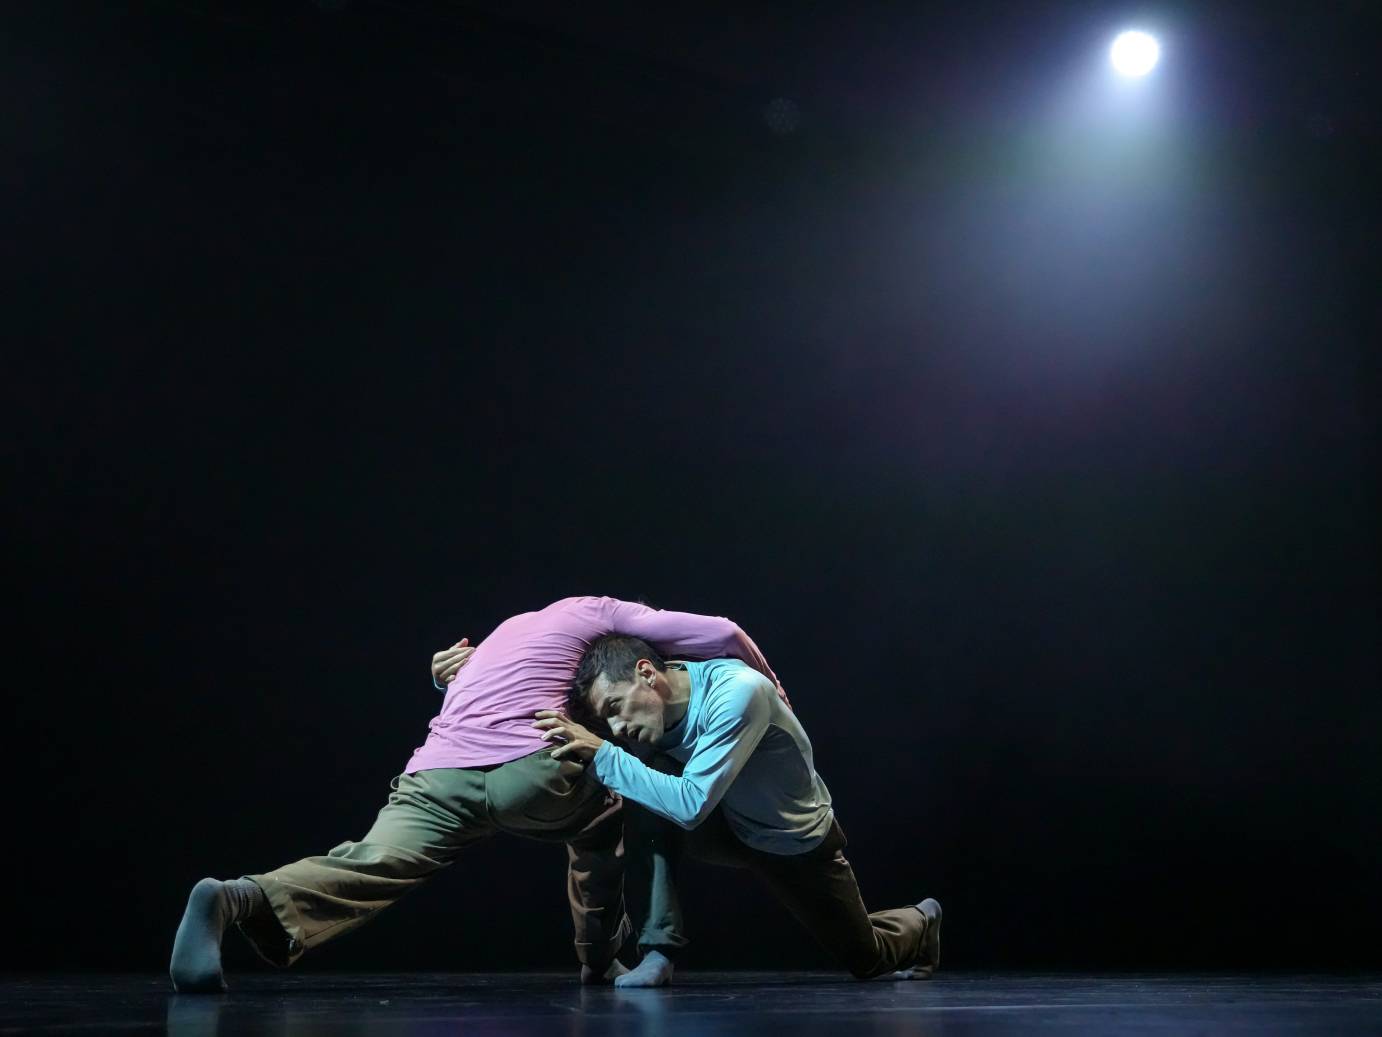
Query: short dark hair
[{"x": 613, "y": 656}]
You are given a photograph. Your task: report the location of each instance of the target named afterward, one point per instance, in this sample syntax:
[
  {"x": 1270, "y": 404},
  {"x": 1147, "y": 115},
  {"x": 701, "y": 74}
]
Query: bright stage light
[{"x": 1134, "y": 53}]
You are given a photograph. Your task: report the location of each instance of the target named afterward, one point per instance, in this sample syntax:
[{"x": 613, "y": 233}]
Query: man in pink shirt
[{"x": 482, "y": 769}]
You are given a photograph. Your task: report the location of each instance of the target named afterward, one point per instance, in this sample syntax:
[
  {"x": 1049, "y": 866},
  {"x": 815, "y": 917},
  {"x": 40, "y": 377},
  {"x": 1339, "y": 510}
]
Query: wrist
[{"x": 602, "y": 749}]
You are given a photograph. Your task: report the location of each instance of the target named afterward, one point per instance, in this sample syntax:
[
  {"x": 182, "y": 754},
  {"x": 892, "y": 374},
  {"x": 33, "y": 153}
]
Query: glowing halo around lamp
[{"x": 1134, "y": 53}]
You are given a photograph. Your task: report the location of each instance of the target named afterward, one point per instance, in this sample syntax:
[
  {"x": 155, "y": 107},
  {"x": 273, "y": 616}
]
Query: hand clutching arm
[{"x": 448, "y": 662}]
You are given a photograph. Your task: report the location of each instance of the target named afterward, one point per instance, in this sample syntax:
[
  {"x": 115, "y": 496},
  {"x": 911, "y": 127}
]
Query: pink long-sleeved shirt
[{"x": 528, "y": 664}]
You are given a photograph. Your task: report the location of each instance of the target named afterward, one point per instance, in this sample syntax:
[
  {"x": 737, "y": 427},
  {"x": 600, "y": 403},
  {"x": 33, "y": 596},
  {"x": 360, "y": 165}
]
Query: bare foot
[
  {"x": 589, "y": 977},
  {"x": 655, "y": 970}
]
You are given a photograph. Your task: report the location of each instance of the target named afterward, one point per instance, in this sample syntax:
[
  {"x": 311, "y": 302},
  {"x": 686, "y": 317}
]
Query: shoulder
[{"x": 736, "y": 687}]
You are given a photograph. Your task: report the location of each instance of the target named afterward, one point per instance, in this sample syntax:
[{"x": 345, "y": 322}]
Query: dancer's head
[{"x": 621, "y": 687}]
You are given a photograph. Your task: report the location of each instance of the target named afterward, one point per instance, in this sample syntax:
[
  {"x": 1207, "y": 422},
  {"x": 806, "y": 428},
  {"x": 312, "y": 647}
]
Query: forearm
[
  {"x": 684, "y": 635},
  {"x": 683, "y": 801},
  {"x": 738, "y": 645}
]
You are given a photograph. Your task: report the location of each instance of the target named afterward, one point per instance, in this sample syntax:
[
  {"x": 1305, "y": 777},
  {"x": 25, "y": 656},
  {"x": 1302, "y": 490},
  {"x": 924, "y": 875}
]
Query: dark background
[{"x": 1028, "y": 422}]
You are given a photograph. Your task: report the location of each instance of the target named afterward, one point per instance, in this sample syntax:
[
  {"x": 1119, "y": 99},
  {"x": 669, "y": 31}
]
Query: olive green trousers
[{"x": 433, "y": 815}]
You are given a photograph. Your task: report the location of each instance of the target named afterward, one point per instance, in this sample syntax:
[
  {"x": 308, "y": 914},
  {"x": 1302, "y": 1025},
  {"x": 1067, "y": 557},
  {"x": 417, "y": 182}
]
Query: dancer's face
[{"x": 634, "y": 709}]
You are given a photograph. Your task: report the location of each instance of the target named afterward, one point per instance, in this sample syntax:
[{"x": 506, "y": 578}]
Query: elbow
[
  {"x": 697, "y": 816},
  {"x": 690, "y": 809},
  {"x": 734, "y": 637}
]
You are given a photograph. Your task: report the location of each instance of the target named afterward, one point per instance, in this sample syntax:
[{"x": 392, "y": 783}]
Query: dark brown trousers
[{"x": 817, "y": 887}]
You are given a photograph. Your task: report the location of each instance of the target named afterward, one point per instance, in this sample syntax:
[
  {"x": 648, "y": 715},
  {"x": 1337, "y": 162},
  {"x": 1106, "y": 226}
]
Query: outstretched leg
[
  {"x": 430, "y": 817},
  {"x": 819, "y": 888}
]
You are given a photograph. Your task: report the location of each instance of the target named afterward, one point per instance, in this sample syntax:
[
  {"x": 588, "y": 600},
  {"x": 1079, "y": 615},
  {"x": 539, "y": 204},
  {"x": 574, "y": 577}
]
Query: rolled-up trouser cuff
[
  {"x": 600, "y": 955},
  {"x": 666, "y": 940},
  {"x": 276, "y": 937}
]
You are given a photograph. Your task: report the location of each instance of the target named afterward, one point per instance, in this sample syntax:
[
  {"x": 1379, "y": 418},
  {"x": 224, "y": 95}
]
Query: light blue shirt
[{"x": 743, "y": 749}]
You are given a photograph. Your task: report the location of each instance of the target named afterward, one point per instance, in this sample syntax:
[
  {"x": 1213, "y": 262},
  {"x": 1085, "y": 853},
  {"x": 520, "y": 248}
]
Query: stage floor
[{"x": 963, "y": 1003}]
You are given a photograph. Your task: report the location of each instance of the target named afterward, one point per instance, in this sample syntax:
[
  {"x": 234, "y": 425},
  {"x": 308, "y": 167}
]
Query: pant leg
[
  {"x": 429, "y": 818},
  {"x": 654, "y": 849},
  {"x": 595, "y": 886},
  {"x": 820, "y": 890},
  {"x": 538, "y": 797}
]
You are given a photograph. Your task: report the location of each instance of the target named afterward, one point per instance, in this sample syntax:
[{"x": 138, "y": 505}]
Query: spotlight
[{"x": 1134, "y": 53}]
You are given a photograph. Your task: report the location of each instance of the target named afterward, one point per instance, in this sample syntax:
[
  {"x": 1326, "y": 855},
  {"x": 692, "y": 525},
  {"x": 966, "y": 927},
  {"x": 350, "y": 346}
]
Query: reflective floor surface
[{"x": 703, "y": 1004}]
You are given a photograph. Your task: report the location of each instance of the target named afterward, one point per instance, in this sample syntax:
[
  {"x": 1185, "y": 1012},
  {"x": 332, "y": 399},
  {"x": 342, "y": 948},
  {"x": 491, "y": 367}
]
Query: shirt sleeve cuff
[{"x": 605, "y": 761}]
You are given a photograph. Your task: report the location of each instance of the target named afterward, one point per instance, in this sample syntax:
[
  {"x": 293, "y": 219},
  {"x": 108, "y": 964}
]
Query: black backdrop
[{"x": 1035, "y": 448}]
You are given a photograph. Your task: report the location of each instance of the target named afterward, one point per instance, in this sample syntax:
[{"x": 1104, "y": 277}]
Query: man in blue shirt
[{"x": 747, "y": 794}]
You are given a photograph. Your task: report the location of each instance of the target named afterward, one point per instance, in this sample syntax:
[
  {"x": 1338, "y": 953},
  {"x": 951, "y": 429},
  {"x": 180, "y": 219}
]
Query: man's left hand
[
  {"x": 581, "y": 745},
  {"x": 448, "y": 662}
]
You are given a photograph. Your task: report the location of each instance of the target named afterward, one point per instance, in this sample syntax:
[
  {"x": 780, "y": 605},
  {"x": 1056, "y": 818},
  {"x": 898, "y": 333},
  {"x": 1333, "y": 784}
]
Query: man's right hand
[{"x": 448, "y": 662}]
